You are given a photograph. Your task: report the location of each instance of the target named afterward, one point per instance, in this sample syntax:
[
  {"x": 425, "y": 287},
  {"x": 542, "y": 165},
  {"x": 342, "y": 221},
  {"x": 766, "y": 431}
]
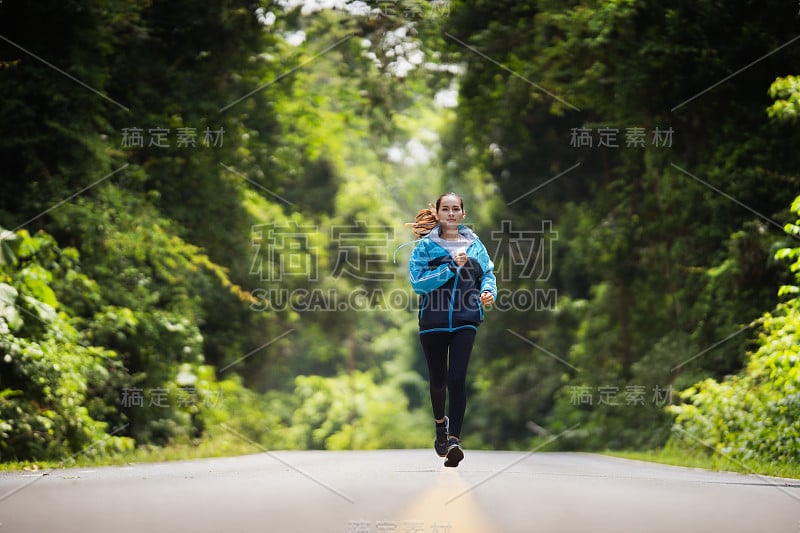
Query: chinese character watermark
[
  {"x": 630, "y": 396},
  {"x": 160, "y": 397},
  {"x": 158, "y": 137},
  {"x": 284, "y": 250},
  {"x": 523, "y": 254},
  {"x": 404, "y": 526},
  {"x": 411, "y": 9},
  {"x": 634, "y": 137},
  {"x": 361, "y": 252}
]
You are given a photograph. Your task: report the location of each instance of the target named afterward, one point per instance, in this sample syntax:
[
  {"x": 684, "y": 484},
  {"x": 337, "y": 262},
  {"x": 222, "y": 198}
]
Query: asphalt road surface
[{"x": 397, "y": 491}]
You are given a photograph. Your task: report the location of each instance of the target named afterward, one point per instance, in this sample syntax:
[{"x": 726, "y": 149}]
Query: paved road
[{"x": 400, "y": 491}]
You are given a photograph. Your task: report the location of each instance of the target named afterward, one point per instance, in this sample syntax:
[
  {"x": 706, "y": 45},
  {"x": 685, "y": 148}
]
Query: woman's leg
[
  {"x": 435, "y": 346},
  {"x": 460, "y": 350}
]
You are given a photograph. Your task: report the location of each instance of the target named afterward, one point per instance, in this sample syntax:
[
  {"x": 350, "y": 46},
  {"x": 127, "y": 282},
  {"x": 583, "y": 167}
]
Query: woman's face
[{"x": 450, "y": 213}]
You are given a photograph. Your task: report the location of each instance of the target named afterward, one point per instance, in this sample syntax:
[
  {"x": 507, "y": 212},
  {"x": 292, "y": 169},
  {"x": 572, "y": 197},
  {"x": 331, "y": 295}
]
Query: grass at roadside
[
  {"x": 710, "y": 462},
  {"x": 219, "y": 446}
]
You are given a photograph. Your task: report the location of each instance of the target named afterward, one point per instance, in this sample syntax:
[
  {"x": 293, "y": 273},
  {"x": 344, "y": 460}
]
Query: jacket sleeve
[
  {"x": 488, "y": 280},
  {"x": 425, "y": 278}
]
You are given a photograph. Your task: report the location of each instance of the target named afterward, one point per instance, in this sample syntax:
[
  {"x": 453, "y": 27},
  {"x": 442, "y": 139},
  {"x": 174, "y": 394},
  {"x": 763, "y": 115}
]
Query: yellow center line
[{"x": 462, "y": 515}]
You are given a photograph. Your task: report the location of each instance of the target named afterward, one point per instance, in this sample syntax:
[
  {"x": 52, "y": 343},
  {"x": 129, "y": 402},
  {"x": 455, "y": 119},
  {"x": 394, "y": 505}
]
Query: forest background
[{"x": 203, "y": 207}]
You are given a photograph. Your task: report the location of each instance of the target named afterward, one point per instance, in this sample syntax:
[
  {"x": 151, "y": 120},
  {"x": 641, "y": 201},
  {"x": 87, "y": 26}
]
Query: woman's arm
[
  {"x": 488, "y": 281},
  {"x": 424, "y": 277}
]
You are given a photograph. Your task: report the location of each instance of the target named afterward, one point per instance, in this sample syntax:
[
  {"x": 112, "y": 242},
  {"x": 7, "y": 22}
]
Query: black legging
[{"x": 452, "y": 376}]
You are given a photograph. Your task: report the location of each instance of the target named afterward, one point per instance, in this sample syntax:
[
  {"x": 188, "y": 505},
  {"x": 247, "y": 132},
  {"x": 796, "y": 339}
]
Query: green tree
[{"x": 752, "y": 415}]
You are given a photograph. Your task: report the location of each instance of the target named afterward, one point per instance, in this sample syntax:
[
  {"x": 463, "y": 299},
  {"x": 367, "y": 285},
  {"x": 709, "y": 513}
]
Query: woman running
[{"x": 451, "y": 271}]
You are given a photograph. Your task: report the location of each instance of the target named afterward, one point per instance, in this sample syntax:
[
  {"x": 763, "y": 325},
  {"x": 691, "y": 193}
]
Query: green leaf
[
  {"x": 36, "y": 280},
  {"x": 45, "y": 311},
  {"x": 8, "y": 310},
  {"x": 9, "y": 242}
]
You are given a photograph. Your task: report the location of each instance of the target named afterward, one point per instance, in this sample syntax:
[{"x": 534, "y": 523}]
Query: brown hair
[{"x": 425, "y": 220}]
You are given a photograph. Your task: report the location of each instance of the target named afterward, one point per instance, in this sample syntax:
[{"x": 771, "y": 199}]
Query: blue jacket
[{"x": 450, "y": 294}]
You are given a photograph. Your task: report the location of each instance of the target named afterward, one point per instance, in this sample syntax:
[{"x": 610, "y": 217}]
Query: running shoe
[{"x": 454, "y": 453}]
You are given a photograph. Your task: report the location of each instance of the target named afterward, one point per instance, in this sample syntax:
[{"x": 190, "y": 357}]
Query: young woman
[{"x": 451, "y": 271}]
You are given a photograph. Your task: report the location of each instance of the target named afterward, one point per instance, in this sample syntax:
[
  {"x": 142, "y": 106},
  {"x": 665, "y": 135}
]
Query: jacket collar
[{"x": 436, "y": 234}]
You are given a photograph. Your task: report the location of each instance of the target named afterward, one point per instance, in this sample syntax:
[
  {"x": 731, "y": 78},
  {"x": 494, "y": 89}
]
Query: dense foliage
[
  {"x": 203, "y": 204},
  {"x": 155, "y": 146},
  {"x": 636, "y": 129}
]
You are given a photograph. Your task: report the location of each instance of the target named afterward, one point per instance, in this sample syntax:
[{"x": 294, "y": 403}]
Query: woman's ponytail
[{"x": 423, "y": 223}]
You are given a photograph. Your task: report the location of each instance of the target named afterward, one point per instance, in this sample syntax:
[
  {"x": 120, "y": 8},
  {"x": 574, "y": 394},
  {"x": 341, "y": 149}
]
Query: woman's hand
[{"x": 487, "y": 298}]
